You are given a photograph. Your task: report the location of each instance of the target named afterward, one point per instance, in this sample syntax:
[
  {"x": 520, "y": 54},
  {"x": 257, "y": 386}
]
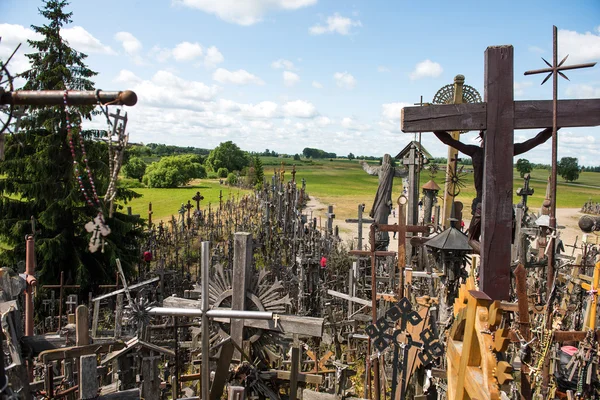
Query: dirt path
[{"x": 566, "y": 217}]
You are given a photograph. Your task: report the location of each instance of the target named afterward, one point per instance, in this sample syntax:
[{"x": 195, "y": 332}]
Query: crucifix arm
[
  {"x": 400, "y": 172},
  {"x": 369, "y": 169},
  {"x": 527, "y": 145},
  {"x": 445, "y": 138}
]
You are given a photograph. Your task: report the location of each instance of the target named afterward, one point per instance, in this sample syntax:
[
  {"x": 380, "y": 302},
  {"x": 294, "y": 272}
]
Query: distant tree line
[
  {"x": 162, "y": 150},
  {"x": 317, "y": 153}
]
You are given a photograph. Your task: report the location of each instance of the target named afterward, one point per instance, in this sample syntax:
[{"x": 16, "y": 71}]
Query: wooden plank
[
  {"x": 534, "y": 114},
  {"x": 447, "y": 117},
  {"x": 119, "y": 316},
  {"x": 350, "y": 298},
  {"x": 529, "y": 114},
  {"x": 287, "y": 324},
  {"x": 95, "y": 318},
  {"x": 179, "y": 302},
  {"x": 88, "y": 378},
  {"x": 242, "y": 273},
  {"x": 294, "y": 373},
  {"x": 82, "y": 326},
  {"x": 132, "y": 287},
  {"x": 304, "y": 378},
  {"x": 222, "y": 373},
  {"x": 496, "y": 218},
  {"x": 74, "y": 352}
]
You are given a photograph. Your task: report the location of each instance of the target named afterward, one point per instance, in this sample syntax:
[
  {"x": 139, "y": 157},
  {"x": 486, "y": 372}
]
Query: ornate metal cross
[{"x": 554, "y": 71}]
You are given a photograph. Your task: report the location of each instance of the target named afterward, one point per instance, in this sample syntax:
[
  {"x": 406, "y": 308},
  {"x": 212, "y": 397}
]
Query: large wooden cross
[{"x": 499, "y": 115}]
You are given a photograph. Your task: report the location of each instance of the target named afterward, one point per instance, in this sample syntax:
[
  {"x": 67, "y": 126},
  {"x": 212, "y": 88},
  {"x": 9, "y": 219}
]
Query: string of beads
[{"x": 87, "y": 168}]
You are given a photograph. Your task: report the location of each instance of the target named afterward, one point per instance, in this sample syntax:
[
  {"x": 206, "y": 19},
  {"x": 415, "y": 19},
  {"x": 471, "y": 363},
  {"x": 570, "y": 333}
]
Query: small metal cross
[{"x": 197, "y": 198}]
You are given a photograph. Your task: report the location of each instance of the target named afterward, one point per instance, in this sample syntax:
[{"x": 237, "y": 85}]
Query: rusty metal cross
[{"x": 554, "y": 70}]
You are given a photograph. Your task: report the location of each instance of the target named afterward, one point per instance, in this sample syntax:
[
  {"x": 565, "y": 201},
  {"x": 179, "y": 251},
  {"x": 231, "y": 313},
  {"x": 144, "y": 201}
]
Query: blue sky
[{"x": 289, "y": 74}]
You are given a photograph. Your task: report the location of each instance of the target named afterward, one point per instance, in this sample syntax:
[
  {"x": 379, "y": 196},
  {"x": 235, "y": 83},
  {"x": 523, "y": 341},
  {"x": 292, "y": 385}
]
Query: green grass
[
  {"x": 167, "y": 202},
  {"x": 344, "y": 184}
]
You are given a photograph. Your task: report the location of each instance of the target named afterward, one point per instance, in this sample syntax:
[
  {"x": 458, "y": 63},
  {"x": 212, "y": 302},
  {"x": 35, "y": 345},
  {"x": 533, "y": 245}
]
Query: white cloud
[
  {"x": 239, "y": 77},
  {"x": 165, "y": 89},
  {"x": 290, "y": 78},
  {"x": 246, "y": 12},
  {"x": 391, "y": 111},
  {"x": 520, "y": 87},
  {"x": 580, "y": 47},
  {"x": 130, "y": 43},
  {"x": 264, "y": 109},
  {"x": 317, "y": 85},
  {"x": 344, "y": 80},
  {"x": 261, "y": 125},
  {"x": 186, "y": 51},
  {"x": 127, "y": 77},
  {"x": 352, "y": 125},
  {"x": 323, "y": 121},
  {"x": 283, "y": 64},
  {"x": 426, "y": 69},
  {"x": 335, "y": 24},
  {"x": 161, "y": 54},
  {"x": 383, "y": 68},
  {"x": 13, "y": 35},
  {"x": 213, "y": 57},
  {"x": 82, "y": 40},
  {"x": 581, "y": 91},
  {"x": 300, "y": 109}
]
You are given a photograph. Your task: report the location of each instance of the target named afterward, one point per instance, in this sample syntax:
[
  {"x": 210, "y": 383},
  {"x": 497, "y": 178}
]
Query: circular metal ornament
[{"x": 446, "y": 96}]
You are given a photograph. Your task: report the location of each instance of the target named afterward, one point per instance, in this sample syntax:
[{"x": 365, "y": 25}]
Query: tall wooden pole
[
  {"x": 459, "y": 81},
  {"x": 31, "y": 282}
]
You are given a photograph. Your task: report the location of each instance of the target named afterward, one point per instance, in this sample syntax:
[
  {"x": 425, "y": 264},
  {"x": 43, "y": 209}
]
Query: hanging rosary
[{"x": 97, "y": 227}]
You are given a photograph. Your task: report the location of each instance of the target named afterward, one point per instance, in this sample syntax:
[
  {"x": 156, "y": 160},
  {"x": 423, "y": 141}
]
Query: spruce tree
[{"x": 38, "y": 178}]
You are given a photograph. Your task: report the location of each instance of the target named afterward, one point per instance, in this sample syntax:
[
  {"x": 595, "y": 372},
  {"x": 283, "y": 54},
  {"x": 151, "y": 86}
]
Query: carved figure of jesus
[
  {"x": 477, "y": 155},
  {"x": 382, "y": 205}
]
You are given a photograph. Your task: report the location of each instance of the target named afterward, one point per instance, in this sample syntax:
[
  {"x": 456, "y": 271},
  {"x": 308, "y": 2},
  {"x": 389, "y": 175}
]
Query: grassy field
[
  {"x": 344, "y": 184},
  {"x": 167, "y": 202}
]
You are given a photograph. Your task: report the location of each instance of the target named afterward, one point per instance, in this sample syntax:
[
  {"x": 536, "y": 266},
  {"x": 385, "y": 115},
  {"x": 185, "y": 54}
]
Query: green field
[
  {"x": 344, "y": 184},
  {"x": 167, "y": 202}
]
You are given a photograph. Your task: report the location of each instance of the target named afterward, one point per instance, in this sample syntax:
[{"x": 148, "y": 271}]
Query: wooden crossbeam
[{"x": 529, "y": 114}]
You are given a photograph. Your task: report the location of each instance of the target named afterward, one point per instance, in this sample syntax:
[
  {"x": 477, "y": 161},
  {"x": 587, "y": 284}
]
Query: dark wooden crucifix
[{"x": 499, "y": 115}]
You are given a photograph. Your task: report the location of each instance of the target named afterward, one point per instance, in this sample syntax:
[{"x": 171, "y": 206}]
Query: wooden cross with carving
[{"x": 499, "y": 115}]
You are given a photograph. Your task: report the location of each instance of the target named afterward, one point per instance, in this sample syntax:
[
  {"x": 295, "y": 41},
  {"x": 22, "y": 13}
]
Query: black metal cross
[
  {"x": 197, "y": 198},
  {"x": 554, "y": 71},
  {"x": 525, "y": 191}
]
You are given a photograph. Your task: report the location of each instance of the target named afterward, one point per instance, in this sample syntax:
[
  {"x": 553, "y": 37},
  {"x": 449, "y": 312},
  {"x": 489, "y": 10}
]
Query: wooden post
[
  {"x": 205, "y": 264},
  {"x": 31, "y": 282},
  {"x": 498, "y": 181},
  {"x": 242, "y": 271},
  {"x": 294, "y": 372},
  {"x": 459, "y": 81},
  {"x": 119, "y": 316},
  {"x": 82, "y": 325},
  {"x": 88, "y": 377}
]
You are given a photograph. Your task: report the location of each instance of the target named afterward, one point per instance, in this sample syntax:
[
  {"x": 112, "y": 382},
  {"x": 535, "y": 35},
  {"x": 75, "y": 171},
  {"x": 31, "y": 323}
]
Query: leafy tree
[
  {"x": 135, "y": 168},
  {"x": 227, "y": 155},
  {"x": 38, "y": 178},
  {"x": 524, "y": 167},
  {"x": 232, "y": 179},
  {"x": 256, "y": 173},
  {"x": 296, "y": 157},
  {"x": 222, "y": 172},
  {"x": 568, "y": 169},
  {"x": 351, "y": 156},
  {"x": 173, "y": 171}
]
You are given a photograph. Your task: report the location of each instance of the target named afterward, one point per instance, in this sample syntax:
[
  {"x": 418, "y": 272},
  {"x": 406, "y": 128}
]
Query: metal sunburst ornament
[
  {"x": 446, "y": 94},
  {"x": 456, "y": 180}
]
